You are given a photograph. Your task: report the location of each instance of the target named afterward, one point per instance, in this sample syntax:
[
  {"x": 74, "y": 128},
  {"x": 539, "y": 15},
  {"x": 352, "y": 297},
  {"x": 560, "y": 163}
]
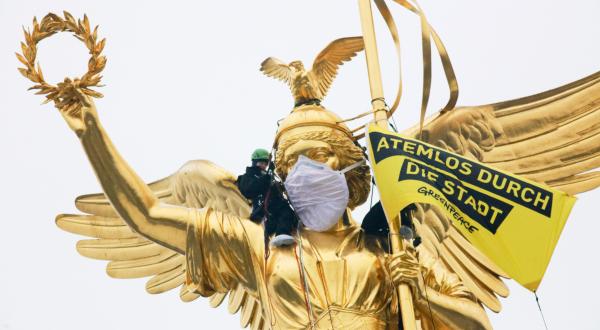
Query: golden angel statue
[{"x": 189, "y": 229}]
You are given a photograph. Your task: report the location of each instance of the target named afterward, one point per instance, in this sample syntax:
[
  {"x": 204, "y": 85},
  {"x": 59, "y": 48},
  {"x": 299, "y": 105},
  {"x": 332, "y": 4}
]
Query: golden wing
[
  {"x": 326, "y": 64},
  {"x": 277, "y": 69},
  {"x": 552, "y": 138},
  {"x": 197, "y": 184}
]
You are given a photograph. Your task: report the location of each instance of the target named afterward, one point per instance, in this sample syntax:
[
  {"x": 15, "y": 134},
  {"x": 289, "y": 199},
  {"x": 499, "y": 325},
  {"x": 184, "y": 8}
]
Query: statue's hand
[
  {"x": 74, "y": 108},
  {"x": 405, "y": 269}
]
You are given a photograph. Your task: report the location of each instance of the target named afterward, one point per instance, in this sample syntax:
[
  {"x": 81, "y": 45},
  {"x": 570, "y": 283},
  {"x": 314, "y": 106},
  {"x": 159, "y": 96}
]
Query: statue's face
[
  {"x": 316, "y": 150},
  {"x": 328, "y": 147}
]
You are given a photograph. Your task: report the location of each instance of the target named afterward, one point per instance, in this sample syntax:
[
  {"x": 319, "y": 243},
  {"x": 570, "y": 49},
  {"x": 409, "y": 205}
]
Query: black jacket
[
  {"x": 375, "y": 222},
  {"x": 268, "y": 202},
  {"x": 254, "y": 182}
]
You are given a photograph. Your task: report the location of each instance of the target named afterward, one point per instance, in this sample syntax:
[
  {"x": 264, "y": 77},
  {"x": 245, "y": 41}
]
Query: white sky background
[{"x": 183, "y": 83}]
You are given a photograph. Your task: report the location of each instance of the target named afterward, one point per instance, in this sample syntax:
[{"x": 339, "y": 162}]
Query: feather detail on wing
[
  {"x": 277, "y": 69},
  {"x": 552, "y": 138},
  {"x": 326, "y": 64},
  {"x": 479, "y": 274},
  {"x": 197, "y": 184}
]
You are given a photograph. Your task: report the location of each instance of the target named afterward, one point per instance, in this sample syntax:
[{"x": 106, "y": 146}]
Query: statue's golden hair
[{"x": 348, "y": 153}]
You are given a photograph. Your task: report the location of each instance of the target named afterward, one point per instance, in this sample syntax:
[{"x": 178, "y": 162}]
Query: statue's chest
[{"x": 330, "y": 279}]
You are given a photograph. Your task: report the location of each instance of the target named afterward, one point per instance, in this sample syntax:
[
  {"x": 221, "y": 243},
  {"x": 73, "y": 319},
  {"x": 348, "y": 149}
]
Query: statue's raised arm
[
  {"x": 193, "y": 223},
  {"x": 131, "y": 198},
  {"x": 187, "y": 230}
]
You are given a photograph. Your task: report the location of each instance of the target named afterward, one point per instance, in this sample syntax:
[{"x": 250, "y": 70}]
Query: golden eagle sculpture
[{"x": 313, "y": 85}]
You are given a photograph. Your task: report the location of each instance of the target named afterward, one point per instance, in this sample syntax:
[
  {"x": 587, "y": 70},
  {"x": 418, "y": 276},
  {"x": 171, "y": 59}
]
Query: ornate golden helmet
[
  {"x": 310, "y": 117},
  {"x": 320, "y": 134}
]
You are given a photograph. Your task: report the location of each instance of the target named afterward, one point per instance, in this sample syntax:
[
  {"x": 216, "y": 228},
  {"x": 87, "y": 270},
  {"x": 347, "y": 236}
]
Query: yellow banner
[{"x": 514, "y": 221}]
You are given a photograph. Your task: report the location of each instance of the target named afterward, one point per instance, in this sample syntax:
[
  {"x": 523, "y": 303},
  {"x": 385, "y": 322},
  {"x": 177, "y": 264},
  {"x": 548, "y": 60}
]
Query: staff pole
[{"x": 381, "y": 119}]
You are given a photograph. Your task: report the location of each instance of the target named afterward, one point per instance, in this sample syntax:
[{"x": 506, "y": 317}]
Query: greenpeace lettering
[
  {"x": 456, "y": 215},
  {"x": 495, "y": 182},
  {"x": 486, "y": 210}
]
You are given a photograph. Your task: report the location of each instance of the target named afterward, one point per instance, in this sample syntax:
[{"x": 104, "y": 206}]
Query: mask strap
[{"x": 353, "y": 166}]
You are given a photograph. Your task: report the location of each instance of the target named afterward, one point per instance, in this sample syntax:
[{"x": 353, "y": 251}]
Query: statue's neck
[
  {"x": 340, "y": 225},
  {"x": 330, "y": 242}
]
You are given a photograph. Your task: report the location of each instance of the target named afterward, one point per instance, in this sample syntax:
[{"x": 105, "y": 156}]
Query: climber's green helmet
[{"x": 260, "y": 154}]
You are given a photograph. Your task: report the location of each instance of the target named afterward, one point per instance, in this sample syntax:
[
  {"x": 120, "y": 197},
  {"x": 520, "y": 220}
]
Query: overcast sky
[{"x": 182, "y": 82}]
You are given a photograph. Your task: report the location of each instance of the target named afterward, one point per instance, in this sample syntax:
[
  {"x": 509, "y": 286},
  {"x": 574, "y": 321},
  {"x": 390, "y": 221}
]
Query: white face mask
[{"x": 318, "y": 194}]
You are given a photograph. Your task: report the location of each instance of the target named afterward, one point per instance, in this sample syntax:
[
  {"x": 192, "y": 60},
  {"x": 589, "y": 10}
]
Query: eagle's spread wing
[
  {"x": 552, "y": 138},
  {"x": 197, "y": 184},
  {"x": 326, "y": 64},
  {"x": 277, "y": 69}
]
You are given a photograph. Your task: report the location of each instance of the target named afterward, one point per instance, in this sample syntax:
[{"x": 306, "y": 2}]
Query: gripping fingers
[
  {"x": 74, "y": 107},
  {"x": 405, "y": 269},
  {"x": 405, "y": 258}
]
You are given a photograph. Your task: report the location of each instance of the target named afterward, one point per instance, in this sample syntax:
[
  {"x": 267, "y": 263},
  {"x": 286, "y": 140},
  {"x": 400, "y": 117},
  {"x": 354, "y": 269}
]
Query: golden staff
[{"x": 380, "y": 112}]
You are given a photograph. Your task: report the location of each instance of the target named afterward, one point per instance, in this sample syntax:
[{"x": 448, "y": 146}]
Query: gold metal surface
[{"x": 189, "y": 230}]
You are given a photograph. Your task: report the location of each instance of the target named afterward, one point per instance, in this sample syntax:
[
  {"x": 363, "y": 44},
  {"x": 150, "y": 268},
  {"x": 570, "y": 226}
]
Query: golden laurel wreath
[{"x": 67, "y": 95}]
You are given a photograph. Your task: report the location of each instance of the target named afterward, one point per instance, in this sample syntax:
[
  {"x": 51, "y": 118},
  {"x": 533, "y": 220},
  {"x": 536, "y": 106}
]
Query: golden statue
[{"x": 190, "y": 229}]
